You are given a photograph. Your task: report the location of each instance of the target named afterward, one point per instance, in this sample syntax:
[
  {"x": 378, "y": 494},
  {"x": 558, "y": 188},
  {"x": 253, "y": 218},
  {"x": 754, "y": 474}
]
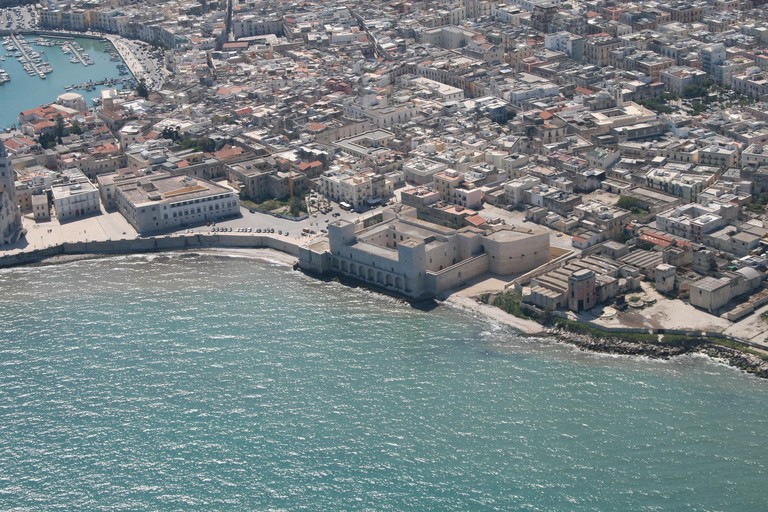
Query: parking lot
[
  {"x": 259, "y": 223},
  {"x": 18, "y": 18}
]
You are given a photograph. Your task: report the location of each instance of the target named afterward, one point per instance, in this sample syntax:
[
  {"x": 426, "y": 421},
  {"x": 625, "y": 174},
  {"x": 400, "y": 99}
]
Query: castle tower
[
  {"x": 582, "y": 290},
  {"x": 665, "y": 278}
]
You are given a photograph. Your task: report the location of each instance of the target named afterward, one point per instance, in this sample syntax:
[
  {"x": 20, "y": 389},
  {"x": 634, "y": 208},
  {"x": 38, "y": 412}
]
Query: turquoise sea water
[
  {"x": 191, "y": 382},
  {"x": 24, "y": 92}
]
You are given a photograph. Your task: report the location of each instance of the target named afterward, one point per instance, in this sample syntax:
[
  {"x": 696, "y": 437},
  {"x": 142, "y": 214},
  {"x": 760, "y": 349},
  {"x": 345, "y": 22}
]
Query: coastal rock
[
  {"x": 617, "y": 346},
  {"x": 749, "y": 363}
]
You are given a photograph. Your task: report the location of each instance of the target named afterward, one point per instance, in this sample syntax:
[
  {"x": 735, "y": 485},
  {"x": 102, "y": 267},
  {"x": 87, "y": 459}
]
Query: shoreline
[
  {"x": 263, "y": 254},
  {"x": 492, "y": 313},
  {"x": 605, "y": 344},
  {"x": 745, "y": 361},
  {"x": 143, "y": 245}
]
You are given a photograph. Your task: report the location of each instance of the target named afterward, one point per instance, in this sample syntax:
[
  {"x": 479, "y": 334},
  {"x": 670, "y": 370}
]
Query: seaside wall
[
  {"x": 55, "y": 33},
  {"x": 456, "y": 275},
  {"x": 314, "y": 261},
  {"x": 153, "y": 244}
]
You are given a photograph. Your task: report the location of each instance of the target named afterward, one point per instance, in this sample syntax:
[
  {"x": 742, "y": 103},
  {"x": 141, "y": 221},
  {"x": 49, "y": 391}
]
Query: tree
[
  {"x": 46, "y": 141},
  {"x": 206, "y": 144},
  {"x": 169, "y": 133},
  {"x": 142, "y": 89},
  {"x": 59, "y": 129},
  {"x": 296, "y": 205},
  {"x": 628, "y": 202},
  {"x": 75, "y": 128}
]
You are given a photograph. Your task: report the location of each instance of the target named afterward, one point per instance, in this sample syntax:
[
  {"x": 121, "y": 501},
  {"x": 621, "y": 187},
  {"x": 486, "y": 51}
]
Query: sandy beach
[
  {"x": 494, "y": 314},
  {"x": 268, "y": 255}
]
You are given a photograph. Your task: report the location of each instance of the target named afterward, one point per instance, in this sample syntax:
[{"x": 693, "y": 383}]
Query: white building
[
  {"x": 515, "y": 190},
  {"x": 353, "y": 187},
  {"x": 159, "y": 203},
  {"x": 72, "y": 100},
  {"x": 679, "y": 78},
  {"x": 40, "y": 208},
  {"x": 692, "y": 221},
  {"x": 755, "y": 154},
  {"x": 74, "y": 200},
  {"x": 453, "y": 188},
  {"x": 441, "y": 92},
  {"x": 421, "y": 170}
]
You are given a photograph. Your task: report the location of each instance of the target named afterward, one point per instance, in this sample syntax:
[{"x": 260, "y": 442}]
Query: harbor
[{"x": 27, "y": 57}]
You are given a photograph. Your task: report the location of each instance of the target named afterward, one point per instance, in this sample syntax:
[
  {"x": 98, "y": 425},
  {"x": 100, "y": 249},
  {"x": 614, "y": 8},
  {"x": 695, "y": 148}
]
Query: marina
[{"x": 37, "y": 69}]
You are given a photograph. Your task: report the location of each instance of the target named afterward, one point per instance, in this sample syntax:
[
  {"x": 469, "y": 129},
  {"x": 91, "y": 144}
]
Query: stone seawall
[{"x": 152, "y": 244}]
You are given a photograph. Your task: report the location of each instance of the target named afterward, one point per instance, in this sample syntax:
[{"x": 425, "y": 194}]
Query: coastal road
[
  {"x": 113, "y": 226},
  {"x": 142, "y": 59}
]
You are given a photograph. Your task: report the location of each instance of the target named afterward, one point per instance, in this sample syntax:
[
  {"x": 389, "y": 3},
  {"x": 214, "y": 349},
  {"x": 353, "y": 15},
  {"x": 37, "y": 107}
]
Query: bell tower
[
  {"x": 10, "y": 217},
  {"x": 7, "y": 176}
]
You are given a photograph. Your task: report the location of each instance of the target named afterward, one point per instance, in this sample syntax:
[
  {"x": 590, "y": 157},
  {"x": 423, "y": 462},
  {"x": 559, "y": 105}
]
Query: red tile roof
[{"x": 476, "y": 220}]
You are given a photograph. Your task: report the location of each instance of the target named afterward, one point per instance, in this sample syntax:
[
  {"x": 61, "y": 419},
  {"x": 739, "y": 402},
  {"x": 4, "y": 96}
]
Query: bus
[{"x": 345, "y": 206}]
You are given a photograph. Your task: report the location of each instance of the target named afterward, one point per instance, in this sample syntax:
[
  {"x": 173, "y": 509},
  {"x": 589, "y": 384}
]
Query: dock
[
  {"x": 22, "y": 46},
  {"x": 79, "y": 55}
]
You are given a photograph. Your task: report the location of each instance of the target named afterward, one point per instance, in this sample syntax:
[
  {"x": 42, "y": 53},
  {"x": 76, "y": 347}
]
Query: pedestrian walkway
[{"x": 40, "y": 235}]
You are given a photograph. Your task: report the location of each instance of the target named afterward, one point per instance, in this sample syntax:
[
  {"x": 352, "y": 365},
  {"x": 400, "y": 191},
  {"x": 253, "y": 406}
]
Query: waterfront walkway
[{"x": 140, "y": 65}]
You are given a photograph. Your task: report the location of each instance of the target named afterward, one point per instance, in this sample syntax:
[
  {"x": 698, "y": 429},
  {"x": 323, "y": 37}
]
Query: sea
[
  {"x": 23, "y": 91},
  {"x": 209, "y": 382}
]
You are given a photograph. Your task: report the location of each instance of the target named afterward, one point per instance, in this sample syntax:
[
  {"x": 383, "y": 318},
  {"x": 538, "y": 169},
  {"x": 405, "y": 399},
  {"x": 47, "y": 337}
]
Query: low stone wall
[
  {"x": 153, "y": 244},
  {"x": 254, "y": 209},
  {"x": 745, "y": 309},
  {"x": 456, "y": 275}
]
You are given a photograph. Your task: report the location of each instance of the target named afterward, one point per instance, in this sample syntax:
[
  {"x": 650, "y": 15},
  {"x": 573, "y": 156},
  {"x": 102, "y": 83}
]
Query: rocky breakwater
[{"x": 750, "y": 363}]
